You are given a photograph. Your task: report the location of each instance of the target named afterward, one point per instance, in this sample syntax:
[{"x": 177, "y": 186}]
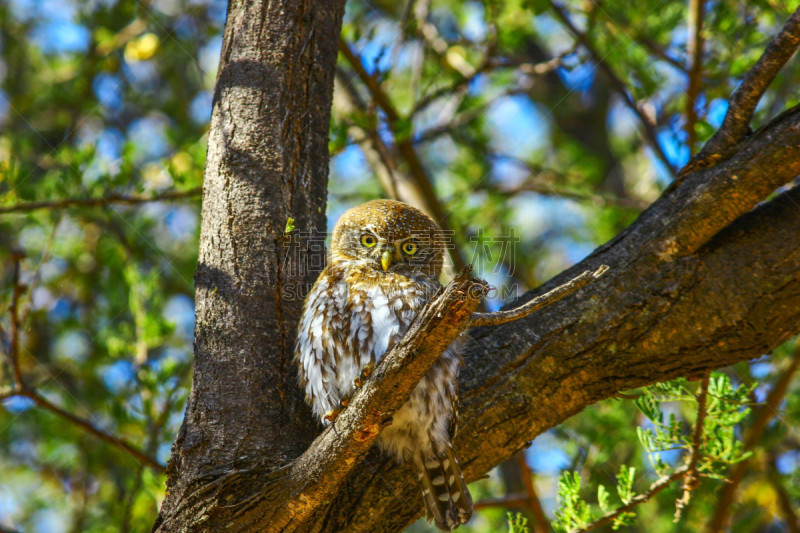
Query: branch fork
[{"x": 317, "y": 475}]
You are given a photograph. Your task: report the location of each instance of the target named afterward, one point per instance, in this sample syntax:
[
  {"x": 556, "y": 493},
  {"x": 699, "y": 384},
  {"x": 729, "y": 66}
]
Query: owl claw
[
  {"x": 331, "y": 415},
  {"x": 365, "y": 373}
]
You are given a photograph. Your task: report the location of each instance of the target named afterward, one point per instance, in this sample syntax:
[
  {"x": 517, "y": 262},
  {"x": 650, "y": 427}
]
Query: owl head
[{"x": 388, "y": 236}]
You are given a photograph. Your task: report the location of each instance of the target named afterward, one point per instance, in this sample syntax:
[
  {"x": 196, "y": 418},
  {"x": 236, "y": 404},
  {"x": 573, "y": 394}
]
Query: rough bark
[
  {"x": 267, "y": 161},
  {"x": 699, "y": 281}
]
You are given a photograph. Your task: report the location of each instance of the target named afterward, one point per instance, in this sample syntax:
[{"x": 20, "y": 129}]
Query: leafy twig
[
  {"x": 655, "y": 488},
  {"x": 692, "y": 478}
]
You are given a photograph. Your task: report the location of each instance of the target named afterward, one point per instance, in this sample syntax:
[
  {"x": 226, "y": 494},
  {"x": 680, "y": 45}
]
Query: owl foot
[
  {"x": 365, "y": 373},
  {"x": 331, "y": 415}
]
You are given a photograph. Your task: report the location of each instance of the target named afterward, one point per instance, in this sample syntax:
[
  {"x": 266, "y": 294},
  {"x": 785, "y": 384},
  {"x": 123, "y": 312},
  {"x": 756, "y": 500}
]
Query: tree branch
[
  {"x": 690, "y": 290},
  {"x": 617, "y": 84},
  {"x": 539, "y": 302},
  {"x": 655, "y": 317},
  {"x": 540, "y": 522},
  {"x": 104, "y": 201},
  {"x": 743, "y": 103},
  {"x": 86, "y": 425}
]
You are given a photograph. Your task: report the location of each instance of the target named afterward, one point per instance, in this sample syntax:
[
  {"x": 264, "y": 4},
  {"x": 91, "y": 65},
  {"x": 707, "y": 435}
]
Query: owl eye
[
  {"x": 368, "y": 240},
  {"x": 410, "y": 248}
]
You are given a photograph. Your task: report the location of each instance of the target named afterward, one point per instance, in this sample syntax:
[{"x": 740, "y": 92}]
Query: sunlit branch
[
  {"x": 540, "y": 522},
  {"x": 111, "y": 199}
]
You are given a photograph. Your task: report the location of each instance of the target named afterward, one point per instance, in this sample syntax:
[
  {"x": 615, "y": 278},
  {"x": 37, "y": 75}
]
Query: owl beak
[{"x": 386, "y": 260}]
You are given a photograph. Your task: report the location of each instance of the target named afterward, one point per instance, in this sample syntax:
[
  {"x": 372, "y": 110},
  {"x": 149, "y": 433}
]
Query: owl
[{"x": 383, "y": 267}]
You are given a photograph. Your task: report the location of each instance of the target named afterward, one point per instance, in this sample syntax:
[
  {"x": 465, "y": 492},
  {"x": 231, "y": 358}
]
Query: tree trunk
[
  {"x": 697, "y": 282},
  {"x": 267, "y": 161}
]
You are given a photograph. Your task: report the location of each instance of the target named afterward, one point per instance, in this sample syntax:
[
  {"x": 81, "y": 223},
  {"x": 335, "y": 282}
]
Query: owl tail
[{"x": 446, "y": 497}]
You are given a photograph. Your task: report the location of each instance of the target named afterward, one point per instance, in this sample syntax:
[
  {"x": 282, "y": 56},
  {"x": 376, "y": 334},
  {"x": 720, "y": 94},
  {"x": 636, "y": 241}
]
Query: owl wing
[{"x": 319, "y": 338}]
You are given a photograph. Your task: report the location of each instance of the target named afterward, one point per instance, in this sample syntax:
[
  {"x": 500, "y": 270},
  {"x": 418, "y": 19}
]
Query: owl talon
[
  {"x": 367, "y": 371},
  {"x": 331, "y": 415},
  {"x": 344, "y": 402}
]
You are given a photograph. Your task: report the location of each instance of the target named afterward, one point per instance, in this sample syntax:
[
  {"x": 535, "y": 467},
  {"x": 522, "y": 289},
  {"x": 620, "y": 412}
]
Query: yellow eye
[
  {"x": 368, "y": 240},
  {"x": 410, "y": 248}
]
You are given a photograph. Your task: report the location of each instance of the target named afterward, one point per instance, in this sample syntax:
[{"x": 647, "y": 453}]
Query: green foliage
[
  {"x": 727, "y": 406},
  {"x": 517, "y": 523},
  {"x": 574, "y": 512}
]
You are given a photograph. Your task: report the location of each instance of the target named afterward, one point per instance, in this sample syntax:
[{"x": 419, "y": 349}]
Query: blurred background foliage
[{"x": 534, "y": 131}]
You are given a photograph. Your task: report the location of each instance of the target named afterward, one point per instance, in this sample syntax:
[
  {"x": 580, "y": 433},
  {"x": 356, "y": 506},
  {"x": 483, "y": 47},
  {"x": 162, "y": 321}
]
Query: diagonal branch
[
  {"x": 104, "y": 201},
  {"x": 784, "y": 498},
  {"x": 617, "y": 84},
  {"x": 540, "y": 522},
  {"x": 743, "y": 103},
  {"x": 21, "y": 389},
  {"x": 87, "y": 426}
]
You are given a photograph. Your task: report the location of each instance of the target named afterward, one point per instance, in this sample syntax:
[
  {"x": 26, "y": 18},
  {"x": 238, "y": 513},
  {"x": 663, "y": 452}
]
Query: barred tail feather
[{"x": 447, "y": 500}]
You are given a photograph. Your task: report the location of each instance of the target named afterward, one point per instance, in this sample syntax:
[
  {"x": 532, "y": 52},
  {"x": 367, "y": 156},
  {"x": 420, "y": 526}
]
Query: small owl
[{"x": 383, "y": 267}]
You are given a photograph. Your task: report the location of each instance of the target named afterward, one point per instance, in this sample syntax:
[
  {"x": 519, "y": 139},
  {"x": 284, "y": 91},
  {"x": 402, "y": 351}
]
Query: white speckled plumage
[{"x": 355, "y": 312}]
